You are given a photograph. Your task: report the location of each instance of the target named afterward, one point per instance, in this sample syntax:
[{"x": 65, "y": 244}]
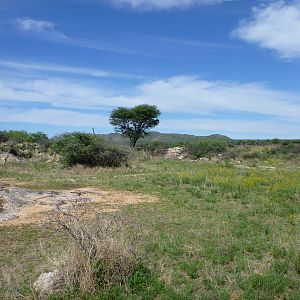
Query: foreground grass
[{"x": 219, "y": 232}]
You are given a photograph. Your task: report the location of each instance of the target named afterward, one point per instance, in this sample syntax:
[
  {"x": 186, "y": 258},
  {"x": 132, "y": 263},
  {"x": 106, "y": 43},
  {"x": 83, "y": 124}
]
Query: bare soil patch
[{"x": 25, "y": 206}]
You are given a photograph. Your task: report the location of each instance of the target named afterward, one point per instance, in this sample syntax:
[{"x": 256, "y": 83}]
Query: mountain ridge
[{"x": 155, "y": 136}]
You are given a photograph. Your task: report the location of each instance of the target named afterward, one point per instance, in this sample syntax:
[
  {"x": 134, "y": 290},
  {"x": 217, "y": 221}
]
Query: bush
[
  {"x": 252, "y": 155},
  {"x": 22, "y": 136},
  {"x": 19, "y": 136},
  {"x": 207, "y": 148},
  {"x": 87, "y": 149},
  {"x": 3, "y": 136},
  {"x": 41, "y": 139}
]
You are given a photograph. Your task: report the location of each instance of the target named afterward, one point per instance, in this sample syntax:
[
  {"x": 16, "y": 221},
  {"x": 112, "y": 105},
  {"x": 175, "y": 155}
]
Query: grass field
[{"x": 218, "y": 232}]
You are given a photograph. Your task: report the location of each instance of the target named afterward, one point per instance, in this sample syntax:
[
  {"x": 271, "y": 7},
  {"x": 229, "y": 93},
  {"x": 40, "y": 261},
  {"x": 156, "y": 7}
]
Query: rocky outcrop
[
  {"x": 175, "y": 153},
  {"x": 15, "y": 152}
]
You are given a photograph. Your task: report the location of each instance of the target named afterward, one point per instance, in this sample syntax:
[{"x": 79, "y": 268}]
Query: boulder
[
  {"x": 8, "y": 157},
  {"x": 50, "y": 282},
  {"x": 174, "y": 153}
]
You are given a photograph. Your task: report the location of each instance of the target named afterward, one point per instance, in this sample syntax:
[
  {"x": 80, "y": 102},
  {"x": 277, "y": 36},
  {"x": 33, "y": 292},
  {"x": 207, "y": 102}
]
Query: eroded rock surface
[{"x": 22, "y": 206}]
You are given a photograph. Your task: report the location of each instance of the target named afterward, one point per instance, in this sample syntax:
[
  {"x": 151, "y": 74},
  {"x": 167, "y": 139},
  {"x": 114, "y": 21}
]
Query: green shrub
[
  {"x": 40, "y": 138},
  {"x": 87, "y": 149},
  {"x": 22, "y": 136},
  {"x": 252, "y": 155},
  {"x": 19, "y": 136},
  {"x": 207, "y": 148},
  {"x": 3, "y": 136}
]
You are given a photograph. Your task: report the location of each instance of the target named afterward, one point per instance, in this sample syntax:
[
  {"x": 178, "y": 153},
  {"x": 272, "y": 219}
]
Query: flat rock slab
[{"x": 25, "y": 206}]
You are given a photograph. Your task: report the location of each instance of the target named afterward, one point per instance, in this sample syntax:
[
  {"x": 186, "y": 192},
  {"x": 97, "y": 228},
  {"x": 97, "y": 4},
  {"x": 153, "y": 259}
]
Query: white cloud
[
  {"x": 41, "y": 28},
  {"x": 57, "y": 117},
  {"x": 45, "y": 30},
  {"x": 176, "y": 94},
  {"x": 275, "y": 26},
  {"x": 161, "y": 4},
  {"x": 216, "y": 106},
  {"x": 235, "y": 127},
  {"x": 189, "y": 94}
]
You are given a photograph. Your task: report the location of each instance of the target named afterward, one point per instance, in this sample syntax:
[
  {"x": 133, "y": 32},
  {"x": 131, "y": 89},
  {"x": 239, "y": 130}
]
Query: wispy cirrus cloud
[
  {"x": 148, "y": 5},
  {"x": 68, "y": 70},
  {"x": 132, "y": 44},
  {"x": 41, "y": 28},
  {"x": 275, "y": 26},
  {"x": 53, "y": 117}
]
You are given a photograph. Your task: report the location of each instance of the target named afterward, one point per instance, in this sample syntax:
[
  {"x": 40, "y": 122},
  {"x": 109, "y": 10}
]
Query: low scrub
[{"x": 90, "y": 150}]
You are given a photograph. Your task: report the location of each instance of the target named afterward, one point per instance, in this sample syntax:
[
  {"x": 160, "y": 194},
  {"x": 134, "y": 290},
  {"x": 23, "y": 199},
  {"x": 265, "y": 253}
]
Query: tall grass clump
[{"x": 87, "y": 149}]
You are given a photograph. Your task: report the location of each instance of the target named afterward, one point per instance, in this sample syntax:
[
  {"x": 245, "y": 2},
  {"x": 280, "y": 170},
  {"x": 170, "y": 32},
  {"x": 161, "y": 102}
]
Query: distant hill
[{"x": 172, "y": 138}]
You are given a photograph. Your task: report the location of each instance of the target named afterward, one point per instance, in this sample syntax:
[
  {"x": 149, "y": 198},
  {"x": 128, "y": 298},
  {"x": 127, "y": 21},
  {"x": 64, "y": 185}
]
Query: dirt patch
[{"x": 25, "y": 206}]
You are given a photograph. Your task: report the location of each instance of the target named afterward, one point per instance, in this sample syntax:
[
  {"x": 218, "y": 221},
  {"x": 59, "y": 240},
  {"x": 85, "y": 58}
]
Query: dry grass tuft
[{"x": 99, "y": 254}]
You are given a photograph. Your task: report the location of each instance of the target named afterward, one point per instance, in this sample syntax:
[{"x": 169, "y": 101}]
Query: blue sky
[{"x": 211, "y": 66}]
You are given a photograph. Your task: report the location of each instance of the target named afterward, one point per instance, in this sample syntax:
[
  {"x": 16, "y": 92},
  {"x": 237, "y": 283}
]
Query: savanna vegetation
[{"x": 226, "y": 228}]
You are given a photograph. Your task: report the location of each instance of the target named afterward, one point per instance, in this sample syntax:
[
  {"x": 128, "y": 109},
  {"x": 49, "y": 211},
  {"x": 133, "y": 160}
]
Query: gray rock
[
  {"x": 50, "y": 282},
  {"x": 7, "y": 217}
]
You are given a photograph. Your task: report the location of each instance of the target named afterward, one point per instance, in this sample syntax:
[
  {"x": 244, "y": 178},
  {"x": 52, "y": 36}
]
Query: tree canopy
[{"x": 135, "y": 123}]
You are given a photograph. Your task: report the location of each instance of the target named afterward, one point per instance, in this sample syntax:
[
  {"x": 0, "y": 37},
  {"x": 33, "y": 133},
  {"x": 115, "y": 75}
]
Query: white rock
[
  {"x": 49, "y": 282},
  {"x": 204, "y": 159}
]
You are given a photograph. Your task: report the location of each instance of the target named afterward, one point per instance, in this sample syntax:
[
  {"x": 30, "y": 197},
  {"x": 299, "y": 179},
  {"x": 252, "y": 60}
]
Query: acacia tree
[{"x": 135, "y": 123}]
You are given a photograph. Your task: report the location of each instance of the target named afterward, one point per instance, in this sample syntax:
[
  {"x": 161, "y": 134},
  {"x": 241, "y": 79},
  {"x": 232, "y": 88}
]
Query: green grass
[{"x": 218, "y": 232}]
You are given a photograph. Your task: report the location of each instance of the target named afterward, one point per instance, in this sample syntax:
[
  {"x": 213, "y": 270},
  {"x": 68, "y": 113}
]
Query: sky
[{"x": 211, "y": 66}]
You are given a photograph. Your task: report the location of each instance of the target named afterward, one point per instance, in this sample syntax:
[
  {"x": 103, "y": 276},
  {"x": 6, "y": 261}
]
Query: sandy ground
[{"x": 25, "y": 206}]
